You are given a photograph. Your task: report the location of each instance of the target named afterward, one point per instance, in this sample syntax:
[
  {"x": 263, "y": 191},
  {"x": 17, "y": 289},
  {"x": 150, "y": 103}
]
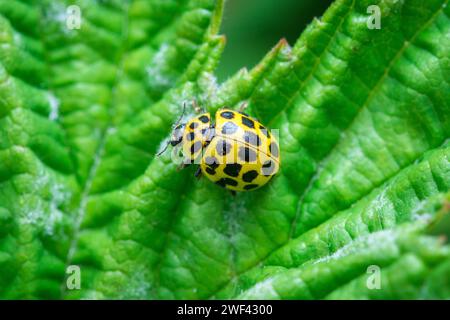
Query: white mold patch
[
  {"x": 43, "y": 210},
  {"x": 157, "y": 77},
  {"x": 56, "y": 13},
  {"x": 137, "y": 287},
  {"x": 210, "y": 88},
  {"x": 54, "y": 107}
]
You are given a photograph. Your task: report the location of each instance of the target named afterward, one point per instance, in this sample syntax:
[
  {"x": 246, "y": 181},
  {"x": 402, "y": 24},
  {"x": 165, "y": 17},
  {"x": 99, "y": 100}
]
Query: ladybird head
[{"x": 177, "y": 134}]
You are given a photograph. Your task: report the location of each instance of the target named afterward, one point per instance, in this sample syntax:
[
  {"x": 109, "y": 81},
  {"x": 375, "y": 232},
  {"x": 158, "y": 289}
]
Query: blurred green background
[{"x": 253, "y": 27}]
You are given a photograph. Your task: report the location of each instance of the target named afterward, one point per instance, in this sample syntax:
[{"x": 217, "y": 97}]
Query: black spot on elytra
[
  {"x": 232, "y": 169},
  {"x": 204, "y": 119},
  {"x": 248, "y": 122},
  {"x": 212, "y": 162},
  {"x": 208, "y": 133},
  {"x": 193, "y": 125},
  {"x": 190, "y": 136},
  {"x": 227, "y": 115},
  {"x": 274, "y": 149},
  {"x": 223, "y": 147},
  {"x": 265, "y": 131},
  {"x": 246, "y": 154},
  {"x": 243, "y": 113},
  {"x": 205, "y": 134},
  {"x": 252, "y": 138},
  {"x": 195, "y": 147},
  {"x": 249, "y": 176},
  {"x": 211, "y": 171},
  {"x": 268, "y": 167},
  {"x": 250, "y": 186},
  {"x": 229, "y": 128},
  {"x": 227, "y": 181}
]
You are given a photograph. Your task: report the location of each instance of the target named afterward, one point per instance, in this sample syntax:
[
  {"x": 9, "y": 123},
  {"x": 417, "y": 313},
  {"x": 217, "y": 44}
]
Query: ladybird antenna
[
  {"x": 182, "y": 115},
  {"x": 176, "y": 124},
  {"x": 163, "y": 150},
  {"x": 243, "y": 106},
  {"x": 197, "y": 108}
]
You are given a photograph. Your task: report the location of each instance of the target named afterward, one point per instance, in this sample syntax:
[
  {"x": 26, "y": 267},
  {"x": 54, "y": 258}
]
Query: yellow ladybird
[{"x": 236, "y": 152}]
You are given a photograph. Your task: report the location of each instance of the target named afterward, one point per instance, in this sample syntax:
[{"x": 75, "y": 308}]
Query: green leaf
[{"x": 364, "y": 120}]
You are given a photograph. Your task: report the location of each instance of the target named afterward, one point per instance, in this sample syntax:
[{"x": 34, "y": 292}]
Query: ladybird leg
[
  {"x": 198, "y": 173},
  {"x": 243, "y": 106},
  {"x": 196, "y": 107},
  {"x": 182, "y": 166},
  {"x": 186, "y": 162}
]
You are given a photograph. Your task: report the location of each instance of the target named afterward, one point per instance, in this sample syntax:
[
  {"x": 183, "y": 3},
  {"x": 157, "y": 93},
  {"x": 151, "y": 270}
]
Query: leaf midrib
[{"x": 85, "y": 193}]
